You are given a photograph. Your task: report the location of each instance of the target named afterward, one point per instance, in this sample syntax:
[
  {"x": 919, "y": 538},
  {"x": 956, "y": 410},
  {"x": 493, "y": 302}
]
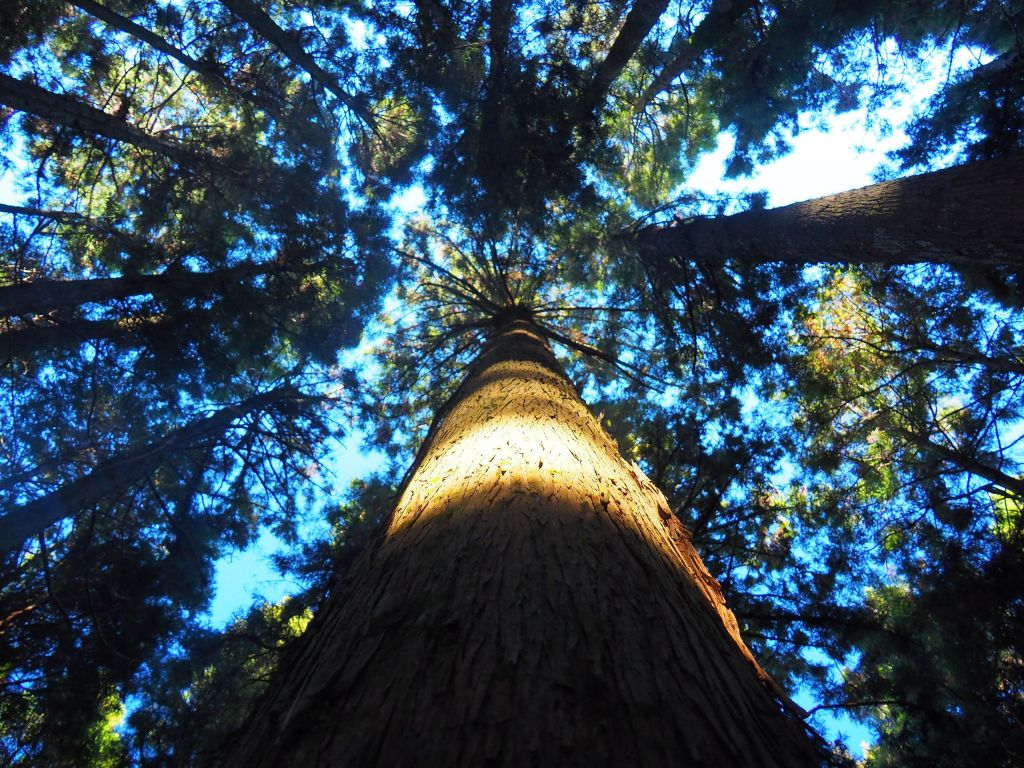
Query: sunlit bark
[
  {"x": 532, "y": 602},
  {"x": 968, "y": 215}
]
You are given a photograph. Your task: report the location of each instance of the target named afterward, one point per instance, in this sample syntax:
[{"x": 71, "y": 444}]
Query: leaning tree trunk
[
  {"x": 288, "y": 43},
  {"x": 66, "y": 110},
  {"x": 44, "y": 339},
  {"x": 43, "y": 296},
  {"x": 965, "y": 216},
  {"x": 106, "y": 479},
  {"x": 642, "y": 16},
  {"x": 123, "y": 23},
  {"x": 720, "y": 18},
  {"x": 527, "y": 605}
]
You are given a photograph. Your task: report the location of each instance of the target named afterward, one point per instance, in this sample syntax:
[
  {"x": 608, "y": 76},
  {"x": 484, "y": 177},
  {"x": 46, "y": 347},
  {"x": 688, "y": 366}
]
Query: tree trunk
[
  {"x": 966, "y": 216},
  {"x": 642, "y": 16},
  {"x": 121, "y": 471},
  {"x": 23, "y": 343},
  {"x": 288, "y": 44},
  {"x": 42, "y": 296},
  {"x": 126, "y": 25},
  {"x": 967, "y": 462},
  {"x": 19, "y": 210},
  {"x": 205, "y": 69},
  {"x": 527, "y": 605},
  {"x": 496, "y": 124},
  {"x": 687, "y": 49},
  {"x": 66, "y": 110}
]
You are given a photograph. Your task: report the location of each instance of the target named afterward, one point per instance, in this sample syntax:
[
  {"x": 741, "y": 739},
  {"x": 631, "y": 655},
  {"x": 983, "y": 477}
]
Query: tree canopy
[{"x": 206, "y": 283}]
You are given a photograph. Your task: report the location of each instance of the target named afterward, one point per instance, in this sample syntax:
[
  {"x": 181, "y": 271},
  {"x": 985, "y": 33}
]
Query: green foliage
[
  {"x": 905, "y": 400},
  {"x": 199, "y": 691},
  {"x": 653, "y": 153},
  {"x": 202, "y": 691}
]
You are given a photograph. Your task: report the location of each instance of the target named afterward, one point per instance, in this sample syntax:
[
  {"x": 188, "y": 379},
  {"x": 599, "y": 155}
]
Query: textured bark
[
  {"x": 113, "y": 475},
  {"x": 527, "y": 605},
  {"x": 967, "y": 216},
  {"x": 68, "y": 111}
]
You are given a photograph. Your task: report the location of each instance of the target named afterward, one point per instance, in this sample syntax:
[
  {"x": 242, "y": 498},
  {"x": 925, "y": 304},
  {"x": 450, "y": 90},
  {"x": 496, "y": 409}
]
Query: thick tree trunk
[
  {"x": 66, "y": 110},
  {"x": 42, "y": 296},
  {"x": 966, "y": 216},
  {"x": 527, "y": 605},
  {"x": 115, "y": 474}
]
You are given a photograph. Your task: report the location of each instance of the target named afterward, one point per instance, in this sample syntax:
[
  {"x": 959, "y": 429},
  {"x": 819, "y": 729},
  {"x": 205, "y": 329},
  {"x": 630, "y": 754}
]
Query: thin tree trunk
[
  {"x": 19, "y": 210},
  {"x": 967, "y": 463},
  {"x": 68, "y": 111},
  {"x": 141, "y": 249},
  {"x": 288, "y": 44},
  {"x": 126, "y": 25},
  {"x": 688, "y": 49},
  {"x": 527, "y": 605},
  {"x": 115, "y": 474},
  {"x": 642, "y": 16},
  {"x": 958, "y": 356},
  {"x": 204, "y": 69},
  {"x": 440, "y": 16},
  {"x": 495, "y": 124},
  {"x": 967, "y": 216}
]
